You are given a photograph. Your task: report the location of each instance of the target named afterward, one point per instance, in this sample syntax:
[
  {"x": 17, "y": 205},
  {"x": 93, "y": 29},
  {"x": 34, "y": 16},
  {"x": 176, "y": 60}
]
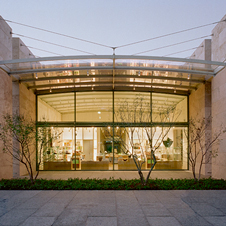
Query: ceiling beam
[
  {"x": 111, "y": 68},
  {"x": 117, "y": 76},
  {"x": 109, "y": 83},
  {"x": 117, "y": 88}
]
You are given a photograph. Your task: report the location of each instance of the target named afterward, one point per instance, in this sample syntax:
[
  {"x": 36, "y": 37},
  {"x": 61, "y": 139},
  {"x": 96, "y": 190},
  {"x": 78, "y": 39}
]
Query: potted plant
[{"x": 168, "y": 142}]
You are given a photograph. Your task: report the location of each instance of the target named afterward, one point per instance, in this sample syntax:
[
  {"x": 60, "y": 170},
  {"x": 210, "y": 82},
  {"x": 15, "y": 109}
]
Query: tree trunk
[
  {"x": 193, "y": 171},
  {"x": 152, "y": 167}
]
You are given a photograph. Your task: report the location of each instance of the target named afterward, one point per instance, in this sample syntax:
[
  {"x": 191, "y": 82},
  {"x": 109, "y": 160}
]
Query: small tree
[
  {"x": 201, "y": 141},
  {"x": 128, "y": 114},
  {"x": 19, "y": 137}
]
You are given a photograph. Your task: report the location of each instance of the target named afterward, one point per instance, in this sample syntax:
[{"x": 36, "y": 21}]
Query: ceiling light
[{"x": 99, "y": 112}]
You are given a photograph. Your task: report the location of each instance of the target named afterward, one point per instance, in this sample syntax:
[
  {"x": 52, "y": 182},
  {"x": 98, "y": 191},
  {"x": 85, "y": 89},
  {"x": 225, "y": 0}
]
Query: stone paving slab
[
  {"x": 113, "y": 208},
  {"x": 163, "y": 221}
]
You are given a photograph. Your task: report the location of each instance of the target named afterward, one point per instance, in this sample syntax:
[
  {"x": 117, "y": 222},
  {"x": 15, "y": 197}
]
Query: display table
[
  {"x": 168, "y": 165},
  {"x": 63, "y": 165},
  {"x": 95, "y": 165},
  {"x": 128, "y": 165},
  {"x": 75, "y": 161}
]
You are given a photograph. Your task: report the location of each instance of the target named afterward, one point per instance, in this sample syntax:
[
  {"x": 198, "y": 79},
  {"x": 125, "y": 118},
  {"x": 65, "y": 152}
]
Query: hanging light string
[
  {"x": 51, "y": 43},
  {"x": 57, "y": 33},
  {"x": 169, "y": 34},
  {"x": 178, "y": 43}
]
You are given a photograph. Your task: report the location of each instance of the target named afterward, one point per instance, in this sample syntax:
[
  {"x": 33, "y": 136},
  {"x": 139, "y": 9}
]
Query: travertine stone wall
[
  {"x": 200, "y": 100},
  {"x": 24, "y": 100},
  {"x": 219, "y": 98},
  {"x": 5, "y": 93},
  {"x": 5, "y": 40},
  {"x": 219, "y": 41}
]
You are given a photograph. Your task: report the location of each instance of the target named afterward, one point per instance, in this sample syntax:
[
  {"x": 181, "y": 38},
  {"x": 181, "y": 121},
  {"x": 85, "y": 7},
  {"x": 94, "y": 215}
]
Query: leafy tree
[{"x": 20, "y": 136}]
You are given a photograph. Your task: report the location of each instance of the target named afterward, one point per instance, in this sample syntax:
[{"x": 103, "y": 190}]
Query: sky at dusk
[{"x": 113, "y": 23}]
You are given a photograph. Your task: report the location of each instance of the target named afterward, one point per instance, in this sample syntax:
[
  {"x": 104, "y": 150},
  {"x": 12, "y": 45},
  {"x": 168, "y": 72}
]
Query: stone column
[
  {"x": 23, "y": 99},
  {"x": 200, "y": 100},
  {"x": 219, "y": 98},
  {"x": 6, "y": 164}
]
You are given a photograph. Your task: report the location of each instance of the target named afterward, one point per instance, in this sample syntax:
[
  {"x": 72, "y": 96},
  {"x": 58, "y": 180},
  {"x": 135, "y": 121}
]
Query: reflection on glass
[
  {"x": 132, "y": 107},
  {"x": 172, "y": 152},
  {"x": 135, "y": 131},
  {"x": 58, "y": 152},
  {"x": 56, "y": 107},
  {"x": 94, "y": 107},
  {"x": 91, "y": 148},
  {"x": 176, "y": 104},
  {"x": 94, "y": 149}
]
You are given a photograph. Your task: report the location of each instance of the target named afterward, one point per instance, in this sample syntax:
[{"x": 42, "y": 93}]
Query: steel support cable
[
  {"x": 178, "y": 43},
  {"x": 169, "y": 34},
  {"x": 30, "y": 47},
  {"x": 51, "y": 43},
  {"x": 57, "y": 33},
  {"x": 183, "y": 51}
]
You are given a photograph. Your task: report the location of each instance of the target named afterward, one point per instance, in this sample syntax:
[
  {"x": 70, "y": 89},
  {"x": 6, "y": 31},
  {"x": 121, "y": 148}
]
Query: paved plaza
[{"x": 111, "y": 208}]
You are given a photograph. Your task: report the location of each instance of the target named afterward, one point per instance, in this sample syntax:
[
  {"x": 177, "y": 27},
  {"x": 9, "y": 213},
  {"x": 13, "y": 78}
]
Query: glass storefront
[{"x": 95, "y": 140}]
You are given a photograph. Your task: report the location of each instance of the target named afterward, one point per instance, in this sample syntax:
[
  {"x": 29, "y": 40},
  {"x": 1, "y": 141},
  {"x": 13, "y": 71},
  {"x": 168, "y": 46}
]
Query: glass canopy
[{"x": 111, "y": 72}]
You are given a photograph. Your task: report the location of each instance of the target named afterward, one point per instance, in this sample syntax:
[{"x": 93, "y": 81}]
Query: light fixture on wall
[
  {"x": 36, "y": 75},
  {"x": 188, "y": 76},
  {"x": 87, "y": 73},
  {"x": 175, "y": 91},
  {"x": 138, "y": 73},
  {"x": 50, "y": 90}
]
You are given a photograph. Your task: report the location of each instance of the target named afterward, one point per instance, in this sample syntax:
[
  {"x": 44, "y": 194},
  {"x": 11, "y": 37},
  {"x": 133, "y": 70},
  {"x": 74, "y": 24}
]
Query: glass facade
[{"x": 102, "y": 130}]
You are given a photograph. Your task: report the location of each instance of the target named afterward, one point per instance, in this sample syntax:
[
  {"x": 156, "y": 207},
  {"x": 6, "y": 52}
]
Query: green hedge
[{"x": 112, "y": 184}]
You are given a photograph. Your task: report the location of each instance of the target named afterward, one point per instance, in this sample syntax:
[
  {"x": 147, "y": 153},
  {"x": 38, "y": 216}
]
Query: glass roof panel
[{"x": 112, "y": 72}]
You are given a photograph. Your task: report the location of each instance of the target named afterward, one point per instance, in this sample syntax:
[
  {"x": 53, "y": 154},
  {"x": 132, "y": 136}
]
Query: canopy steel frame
[
  {"x": 112, "y": 72},
  {"x": 111, "y": 68},
  {"x": 111, "y": 57}
]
